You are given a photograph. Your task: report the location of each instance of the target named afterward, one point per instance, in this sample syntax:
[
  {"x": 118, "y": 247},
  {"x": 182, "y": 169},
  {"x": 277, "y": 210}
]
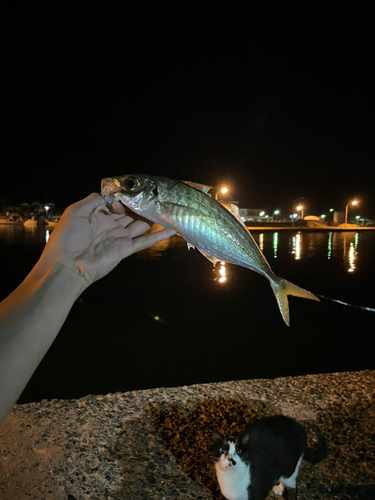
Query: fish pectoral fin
[{"x": 211, "y": 258}]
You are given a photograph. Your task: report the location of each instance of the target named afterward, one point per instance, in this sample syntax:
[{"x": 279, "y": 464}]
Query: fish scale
[
  {"x": 202, "y": 221},
  {"x": 223, "y": 245}
]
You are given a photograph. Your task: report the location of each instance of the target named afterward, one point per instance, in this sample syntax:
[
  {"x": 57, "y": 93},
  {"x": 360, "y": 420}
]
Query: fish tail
[{"x": 282, "y": 288}]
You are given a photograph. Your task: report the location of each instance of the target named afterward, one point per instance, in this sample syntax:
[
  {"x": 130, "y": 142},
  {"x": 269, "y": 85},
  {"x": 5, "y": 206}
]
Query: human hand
[{"x": 91, "y": 242}]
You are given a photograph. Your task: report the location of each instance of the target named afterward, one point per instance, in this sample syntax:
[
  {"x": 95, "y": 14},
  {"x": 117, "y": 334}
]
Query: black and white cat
[{"x": 266, "y": 455}]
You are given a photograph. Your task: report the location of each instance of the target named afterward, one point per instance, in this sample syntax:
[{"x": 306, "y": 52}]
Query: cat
[{"x": 266, "y": 455}]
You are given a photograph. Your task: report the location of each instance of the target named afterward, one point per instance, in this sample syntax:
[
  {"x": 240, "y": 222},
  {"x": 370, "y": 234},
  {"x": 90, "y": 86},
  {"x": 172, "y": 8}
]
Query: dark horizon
[{"x": 276, "y": 101}]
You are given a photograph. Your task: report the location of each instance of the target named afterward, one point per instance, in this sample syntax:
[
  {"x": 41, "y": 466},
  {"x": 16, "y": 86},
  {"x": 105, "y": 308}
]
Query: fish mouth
[
  {"x": 107, "y": 186},
  {"x": 110, "y": 191}
]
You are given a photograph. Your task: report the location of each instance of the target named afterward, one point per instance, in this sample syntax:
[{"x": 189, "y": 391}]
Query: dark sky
[{"x": 274, "y": 98}]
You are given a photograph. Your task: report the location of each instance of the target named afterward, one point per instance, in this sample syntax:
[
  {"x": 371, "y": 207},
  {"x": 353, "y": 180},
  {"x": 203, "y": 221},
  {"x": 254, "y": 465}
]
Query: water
[{"x": 165, "y": 317}]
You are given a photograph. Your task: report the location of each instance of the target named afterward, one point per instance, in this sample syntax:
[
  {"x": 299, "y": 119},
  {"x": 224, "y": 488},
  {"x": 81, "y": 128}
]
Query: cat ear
[
  {"x": 217, "y": 437},
  {"x": 243, "y": 439}
]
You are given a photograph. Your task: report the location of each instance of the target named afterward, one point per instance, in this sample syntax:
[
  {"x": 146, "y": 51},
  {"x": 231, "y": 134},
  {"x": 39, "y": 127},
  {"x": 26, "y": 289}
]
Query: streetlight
[
  {"x": 301, "y": 209},
  {"x": 354, "y": 202},
  {"x": 223, "y": 190}
]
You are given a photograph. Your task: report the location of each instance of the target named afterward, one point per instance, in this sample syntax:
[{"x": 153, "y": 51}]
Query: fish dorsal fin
[
  {"x": 211, "y": 258},
  {"x": 233, "y": 209},
  {"x": 200, "y": 187}
]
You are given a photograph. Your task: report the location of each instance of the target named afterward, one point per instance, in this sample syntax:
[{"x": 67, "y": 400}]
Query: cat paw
[{"x": 278, "y": 489}]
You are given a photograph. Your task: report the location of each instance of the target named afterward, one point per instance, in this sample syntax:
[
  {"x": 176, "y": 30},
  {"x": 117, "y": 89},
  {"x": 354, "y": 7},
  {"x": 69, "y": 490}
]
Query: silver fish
[{"x": 206, "y": 224}]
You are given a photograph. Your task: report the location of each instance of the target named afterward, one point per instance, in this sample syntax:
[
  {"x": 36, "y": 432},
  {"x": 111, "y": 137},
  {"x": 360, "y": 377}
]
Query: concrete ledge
[{"x": 154, "y": 444}]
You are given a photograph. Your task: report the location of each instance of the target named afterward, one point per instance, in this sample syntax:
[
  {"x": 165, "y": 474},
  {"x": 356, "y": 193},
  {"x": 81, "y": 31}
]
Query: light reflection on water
[
  {"x": 329, "y": 251},
  {"x": 301, "y": 245},
  {"x": 275, "y": 240},
  {"x": 18, "y": 233},
  {"x": 159, "y": 249},
  {"x": 296, "y": 243},
  {"x": 261, "y": 241},
  {"x": 343, "y": 246},
  {"x": 221, "y": 275}
]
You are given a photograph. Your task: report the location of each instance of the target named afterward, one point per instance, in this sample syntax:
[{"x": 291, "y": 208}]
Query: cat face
[{"x": 226, "y": 453}]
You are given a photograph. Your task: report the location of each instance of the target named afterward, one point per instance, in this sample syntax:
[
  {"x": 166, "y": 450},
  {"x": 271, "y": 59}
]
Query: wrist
[{"x": 69, "y": 281}]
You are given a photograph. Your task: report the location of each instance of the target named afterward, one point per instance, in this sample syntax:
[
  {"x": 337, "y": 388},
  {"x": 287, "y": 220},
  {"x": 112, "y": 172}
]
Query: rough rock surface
[{"x": 154, "y": 444}]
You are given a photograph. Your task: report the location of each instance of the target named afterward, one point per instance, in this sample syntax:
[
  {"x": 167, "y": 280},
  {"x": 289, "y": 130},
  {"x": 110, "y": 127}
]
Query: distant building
[
  {"x": 338, "y": 217},
  {"x": 253, "y": 214},
  {"x": 27, "y": 210}
]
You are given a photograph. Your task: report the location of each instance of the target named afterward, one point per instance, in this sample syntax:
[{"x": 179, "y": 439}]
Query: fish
[{"x": 213, "y": 228}]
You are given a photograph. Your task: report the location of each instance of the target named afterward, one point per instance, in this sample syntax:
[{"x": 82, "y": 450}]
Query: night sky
[{"x": 274, "y": 98}]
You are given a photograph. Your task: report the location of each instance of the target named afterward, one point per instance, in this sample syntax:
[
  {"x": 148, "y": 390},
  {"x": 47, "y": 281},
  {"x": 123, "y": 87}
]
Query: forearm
[
  {"x": 30, "y": 319},
  {"x": 87, "y": 243}
]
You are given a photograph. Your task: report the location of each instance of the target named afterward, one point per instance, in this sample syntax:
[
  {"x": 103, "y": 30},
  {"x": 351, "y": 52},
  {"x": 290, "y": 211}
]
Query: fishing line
[{"x": 371, "y": 309}]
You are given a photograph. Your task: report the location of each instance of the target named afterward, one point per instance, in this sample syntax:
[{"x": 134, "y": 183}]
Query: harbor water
[{"x": 167, "y": 317}]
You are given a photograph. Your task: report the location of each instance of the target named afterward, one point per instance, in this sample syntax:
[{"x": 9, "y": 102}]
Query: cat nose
[{"x": 233, "y": 461}]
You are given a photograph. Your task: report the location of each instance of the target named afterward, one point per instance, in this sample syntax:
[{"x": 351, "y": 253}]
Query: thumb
[{"x": 151, "y": 239}]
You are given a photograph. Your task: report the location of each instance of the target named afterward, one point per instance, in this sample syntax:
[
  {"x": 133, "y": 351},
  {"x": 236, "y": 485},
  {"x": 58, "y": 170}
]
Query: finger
[
  {"x": 123, "y": 220},
  {"x": 126, "y": 220},
  {"x": 87, "y": 205},
  {"x": 136, "y": 217},
  {"x": 133, "y": 217},
  {"x": 151, "y": 239},
  {"x": 138, "y": 227},
  {"x": 118, "y": 208}
]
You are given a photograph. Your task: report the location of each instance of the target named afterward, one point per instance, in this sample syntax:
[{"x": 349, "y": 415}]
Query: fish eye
[{"x": 131, "y": 183}]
